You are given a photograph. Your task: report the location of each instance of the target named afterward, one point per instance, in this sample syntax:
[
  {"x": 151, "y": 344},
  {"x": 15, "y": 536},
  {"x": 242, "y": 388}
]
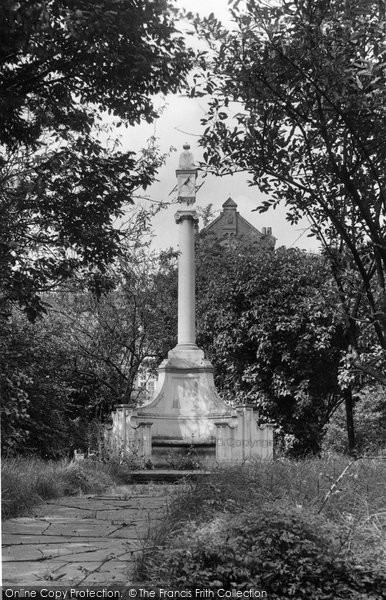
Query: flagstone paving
[{"x": 83, "y": 540}]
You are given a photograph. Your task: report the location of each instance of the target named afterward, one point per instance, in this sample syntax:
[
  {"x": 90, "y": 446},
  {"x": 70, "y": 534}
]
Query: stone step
[{"x": 166, "y": 476}]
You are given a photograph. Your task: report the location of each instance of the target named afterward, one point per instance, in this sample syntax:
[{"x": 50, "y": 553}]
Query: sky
[{"x": 180, "y": 123}]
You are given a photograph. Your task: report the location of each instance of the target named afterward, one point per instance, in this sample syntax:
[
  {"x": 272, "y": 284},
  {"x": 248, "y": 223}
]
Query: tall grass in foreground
[
  {"x": 26, "y": 482},
  {"x": 291, "y": 526},
  {"x": 359, "y": 496}
]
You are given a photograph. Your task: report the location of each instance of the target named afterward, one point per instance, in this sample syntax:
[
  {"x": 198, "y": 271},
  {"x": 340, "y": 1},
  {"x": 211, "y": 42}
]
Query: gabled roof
[
  {"x": 249, "y": 225},
  {"x": 230, "y": 203},
  {"x": 230, "y": 223}
]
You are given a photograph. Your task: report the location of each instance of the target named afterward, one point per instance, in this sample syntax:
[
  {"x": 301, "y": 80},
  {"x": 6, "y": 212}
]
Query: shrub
[
  {"x": 240, "y": 518},
  {"x": 288, "y": 552},
  {"x": 187, "y": 461}
]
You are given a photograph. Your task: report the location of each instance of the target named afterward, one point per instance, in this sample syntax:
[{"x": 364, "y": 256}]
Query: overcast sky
[{"x": 180, "y": 123}]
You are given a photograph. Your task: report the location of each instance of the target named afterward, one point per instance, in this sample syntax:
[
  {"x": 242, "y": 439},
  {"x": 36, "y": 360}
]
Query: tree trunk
[{"x": 349, "y": 403}]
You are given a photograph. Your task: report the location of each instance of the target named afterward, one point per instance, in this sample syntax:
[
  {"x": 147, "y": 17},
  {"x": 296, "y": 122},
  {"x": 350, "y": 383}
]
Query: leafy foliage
[
  {"x": 64, "y": 184},
  {"x": 370, "y": 424},
  {"x": 285, "y": 551},
  {"x": 256, "y": 527},
  {"x": 269, "y": 323},
  {"x": 114, "y": 56},
  {"x": 297, "y": 100},
  {"x": 128, "y": 329},
  {"x": 37, "y": 409},
  {"x": 71, "y": 367}
]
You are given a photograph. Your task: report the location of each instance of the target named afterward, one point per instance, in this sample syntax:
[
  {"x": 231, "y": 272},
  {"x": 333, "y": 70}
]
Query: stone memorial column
[
  {"x": 186, "y": 278},
  {"x": 186, "y": 218},
  {"x": 186, "y": 409}
]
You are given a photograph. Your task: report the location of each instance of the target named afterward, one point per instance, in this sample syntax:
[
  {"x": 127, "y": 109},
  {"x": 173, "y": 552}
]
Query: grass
[
  {"x": 353, "y": 507},
  {"x": 26, "y": 482},
  {"x": 360, "y": 495}
]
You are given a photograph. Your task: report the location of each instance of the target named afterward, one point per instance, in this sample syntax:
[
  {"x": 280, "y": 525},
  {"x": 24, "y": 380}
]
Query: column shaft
[{"x": 186, "y": 283}]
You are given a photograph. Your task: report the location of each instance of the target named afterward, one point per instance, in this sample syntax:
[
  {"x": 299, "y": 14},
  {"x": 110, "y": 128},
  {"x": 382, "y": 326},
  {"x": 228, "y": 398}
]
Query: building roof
[{"x": 230, "y": 225}]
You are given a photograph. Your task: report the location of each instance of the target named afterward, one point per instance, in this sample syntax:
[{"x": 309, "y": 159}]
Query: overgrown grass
[
  {"x": 25, "y": 482},
  {"x": 203, "y": 534}
]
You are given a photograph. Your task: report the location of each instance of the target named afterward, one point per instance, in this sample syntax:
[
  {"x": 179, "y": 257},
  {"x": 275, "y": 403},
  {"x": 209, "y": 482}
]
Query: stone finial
[
  {"x": 230, "y": 203},
  {"x": 186, "y": 158}
]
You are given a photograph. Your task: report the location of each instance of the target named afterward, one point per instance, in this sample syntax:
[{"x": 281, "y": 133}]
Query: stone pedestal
[
  {"x": 187, "y": 412},
  {"x": 186, "y": 407}
]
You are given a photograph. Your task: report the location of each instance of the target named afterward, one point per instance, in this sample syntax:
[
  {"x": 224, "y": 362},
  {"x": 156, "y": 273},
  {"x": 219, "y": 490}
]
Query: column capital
[
  {"x": 187, "y": 172},
  {"x": 186, "y": 214}
]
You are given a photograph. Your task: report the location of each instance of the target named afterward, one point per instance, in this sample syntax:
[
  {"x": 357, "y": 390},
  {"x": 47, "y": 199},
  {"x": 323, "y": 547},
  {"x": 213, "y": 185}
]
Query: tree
[
  {"x": 38, "y": 411},
  {"x": 268, "y": 321},
  {"x": 297, "y": 101},
  {"x": 64, "y": 65},
  {"x": 127, "y": 329},
  {"x": 69, "y": 369},
  {"x": 370, "y": 423},
  {"x": 14, "y": 399}
]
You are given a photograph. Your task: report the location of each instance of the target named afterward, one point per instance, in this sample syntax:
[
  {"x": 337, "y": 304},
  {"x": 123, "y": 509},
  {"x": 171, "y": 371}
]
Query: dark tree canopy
[
  {"x": 298, "y": 95},
  {"x": 63, "y": 374},
  {"x": 63, "y": 65},
  {"x": 59, "y": 56},
  {"x": 269, "y": 322}
]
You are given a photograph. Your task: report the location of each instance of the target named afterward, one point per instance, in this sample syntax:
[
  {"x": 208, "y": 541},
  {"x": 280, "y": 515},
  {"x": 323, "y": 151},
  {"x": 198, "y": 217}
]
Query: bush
[
  {"x": 255, "y": 523},
  {"x": 189, "y": 460},
  {"x": 288, "y": 552}
]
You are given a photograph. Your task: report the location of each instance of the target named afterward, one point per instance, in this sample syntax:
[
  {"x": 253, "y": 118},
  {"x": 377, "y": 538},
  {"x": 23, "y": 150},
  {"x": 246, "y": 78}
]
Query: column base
[{"x": 184, "y": 356}]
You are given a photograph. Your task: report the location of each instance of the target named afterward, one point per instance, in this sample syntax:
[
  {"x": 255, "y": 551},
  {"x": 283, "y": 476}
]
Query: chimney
[
  {"x": 264, "y": 231},
  {"x": 269, "y": 230}
]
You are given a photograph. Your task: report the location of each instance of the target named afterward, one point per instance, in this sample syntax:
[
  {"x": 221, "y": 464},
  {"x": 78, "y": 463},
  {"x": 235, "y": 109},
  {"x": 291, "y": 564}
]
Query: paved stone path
[{"x": 83, "y": 540}]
